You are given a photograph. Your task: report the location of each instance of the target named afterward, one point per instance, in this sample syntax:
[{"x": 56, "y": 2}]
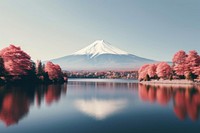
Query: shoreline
[{"x": 170, "y": 82}]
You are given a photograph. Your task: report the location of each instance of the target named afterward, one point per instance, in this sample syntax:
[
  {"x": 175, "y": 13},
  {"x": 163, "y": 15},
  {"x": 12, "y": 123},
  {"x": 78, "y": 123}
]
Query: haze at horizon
[{"x": 152, "y": 29}]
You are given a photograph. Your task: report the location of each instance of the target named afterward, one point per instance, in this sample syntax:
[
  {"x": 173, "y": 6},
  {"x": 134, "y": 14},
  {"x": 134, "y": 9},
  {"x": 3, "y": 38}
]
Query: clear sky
[{"x": 153, "y": 29}]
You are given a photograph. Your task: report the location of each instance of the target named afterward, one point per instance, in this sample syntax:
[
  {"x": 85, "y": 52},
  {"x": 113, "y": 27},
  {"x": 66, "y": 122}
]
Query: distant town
[{"x": 103, "y": 75}]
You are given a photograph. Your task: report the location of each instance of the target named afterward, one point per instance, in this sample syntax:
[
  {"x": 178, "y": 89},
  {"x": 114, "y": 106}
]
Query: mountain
[
  {"x": 98, "y": 56},
  {"x": 100, "y": 47}
]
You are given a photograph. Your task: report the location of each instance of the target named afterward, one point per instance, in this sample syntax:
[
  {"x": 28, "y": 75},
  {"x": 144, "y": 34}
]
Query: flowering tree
[
  {"x": 54, "y": 71},
  {"x": 143, "y": 72},
  {"x": 184, "y": 66},
  {"x": 179, "y": 57},
  {"x": 16, "y": 61},
  {"x": 163, "y": 70},
  {"x": 192, "y": 65},
  {"x": 196, "y": 71},
  {"x": 152, "y": 70},
  {"x": 179, "y": 60}
]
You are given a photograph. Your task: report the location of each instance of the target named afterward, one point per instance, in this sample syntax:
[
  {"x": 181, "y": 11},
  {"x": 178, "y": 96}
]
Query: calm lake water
[{"x": 99, "y": 106}]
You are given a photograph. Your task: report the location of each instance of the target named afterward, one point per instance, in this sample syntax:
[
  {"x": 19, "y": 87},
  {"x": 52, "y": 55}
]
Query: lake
[{"x": 99, "y": 106}]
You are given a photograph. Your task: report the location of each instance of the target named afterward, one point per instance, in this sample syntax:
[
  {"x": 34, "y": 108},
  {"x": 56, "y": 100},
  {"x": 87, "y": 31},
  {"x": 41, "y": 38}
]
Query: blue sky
[{"x": 153, "y": 29}]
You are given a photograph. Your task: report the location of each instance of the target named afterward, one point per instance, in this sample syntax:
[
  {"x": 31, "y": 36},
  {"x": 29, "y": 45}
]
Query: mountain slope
[
  {"x": 100, "y": 55},
  {"x": 100, "y": 47}
]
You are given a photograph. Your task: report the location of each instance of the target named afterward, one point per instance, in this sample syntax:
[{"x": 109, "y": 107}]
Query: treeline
[
  {"x": 184, "y": 66},
  {"x": 16, "y": 66}
]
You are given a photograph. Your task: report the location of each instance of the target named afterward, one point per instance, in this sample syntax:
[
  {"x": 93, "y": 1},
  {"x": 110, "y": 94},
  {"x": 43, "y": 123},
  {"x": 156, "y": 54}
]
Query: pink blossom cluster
[
  {"x": 185, "y": 66},
  {"x": 16, "y": 61},
  {"x": 153, "y": 71},
  {"x": 54, "y": 71}
]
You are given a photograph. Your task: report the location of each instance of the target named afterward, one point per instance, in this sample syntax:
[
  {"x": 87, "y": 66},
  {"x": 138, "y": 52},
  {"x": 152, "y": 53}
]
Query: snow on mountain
[
  {"x": 99, "y": 56},
  {"x": 100, "y": 47}
]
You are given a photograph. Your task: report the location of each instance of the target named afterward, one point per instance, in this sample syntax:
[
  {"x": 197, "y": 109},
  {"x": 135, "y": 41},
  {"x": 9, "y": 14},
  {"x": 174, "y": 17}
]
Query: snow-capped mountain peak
[
  {"x": 101, "y": 56},
  {"x": 100, "y": 47}
]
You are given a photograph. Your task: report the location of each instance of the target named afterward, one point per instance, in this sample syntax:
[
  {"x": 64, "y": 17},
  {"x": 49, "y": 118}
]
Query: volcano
[{"x": 101, "y": 56}]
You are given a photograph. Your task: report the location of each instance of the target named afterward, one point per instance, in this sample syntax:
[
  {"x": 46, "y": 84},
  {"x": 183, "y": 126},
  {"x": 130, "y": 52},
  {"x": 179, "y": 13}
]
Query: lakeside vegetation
[
  {"x": 16, "y": 66},
  {"x": 184, "y": 67},
  {"x": 103, "y": 74}
]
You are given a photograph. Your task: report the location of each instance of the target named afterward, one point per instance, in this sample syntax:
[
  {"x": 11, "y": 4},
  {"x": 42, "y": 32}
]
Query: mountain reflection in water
[
  {"x": 97, "y": 104},
  {"x": 16, "y": 101},
  {"x": 99, "y": 108},
  {"x": 186, "y": 99}
]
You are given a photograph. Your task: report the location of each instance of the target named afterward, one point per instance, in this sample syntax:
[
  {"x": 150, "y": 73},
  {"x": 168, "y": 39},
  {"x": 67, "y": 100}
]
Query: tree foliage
[
  {"x": 16, "y": 61},
  {"x": 152, "y": 70},
  {"x": 54, "y": 71},
  {"x": 143, "y": 71},
  {"x": 2, "y": 68},
  {"x": 184, "y": 66},
  {"x": 163, "y": 70},
  {"x": 179, "y": 60},
  {"x": 16, "y": 66},
  {"x": 192, "y": 64},
  {"x": 39, "y": 68}
]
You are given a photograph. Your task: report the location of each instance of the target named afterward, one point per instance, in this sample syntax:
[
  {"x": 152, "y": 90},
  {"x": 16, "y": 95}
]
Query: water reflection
[
  {"x": 14, "y": 107},
  {"x": 100, "y": 100},
  {"x": 16, "y": 101},
  {"x": 98, "y": 104},
  {"x": 186, "y": 99},
  {"x": 100, "y": 108},
  {"x": 104, "y": 85}
]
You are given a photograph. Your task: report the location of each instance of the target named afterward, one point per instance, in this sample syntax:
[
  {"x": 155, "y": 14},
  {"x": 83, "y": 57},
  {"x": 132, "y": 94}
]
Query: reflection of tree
[
  {"x": 53, "y": 93},
  {"x": 64, "y": 89},
  {"x": 14, "y": 107},
  {"x": 15, "y": 102},
  {"x": 186, "y": 99},
  {"x": 39, "y": 94},
  {"x": 163, "y": 96},
  {"x": 187, "y": 102},
  {"x": 152, "y": 93}
]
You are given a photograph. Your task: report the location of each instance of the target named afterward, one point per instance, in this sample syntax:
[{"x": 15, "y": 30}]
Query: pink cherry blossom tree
[
  {"x": 192, "y": 64},
  {"x": 196, "y": 71},
  {"x": 16, "y": 61},
  {"x": 143, "y": 72},
  {"x": 152, "y": 70},
  {"x": 183, "y": 66},
  {"x": 54, "y": 71},
  {"x": 163, "y": 70},
  {"x": 179, "y": 60}
]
